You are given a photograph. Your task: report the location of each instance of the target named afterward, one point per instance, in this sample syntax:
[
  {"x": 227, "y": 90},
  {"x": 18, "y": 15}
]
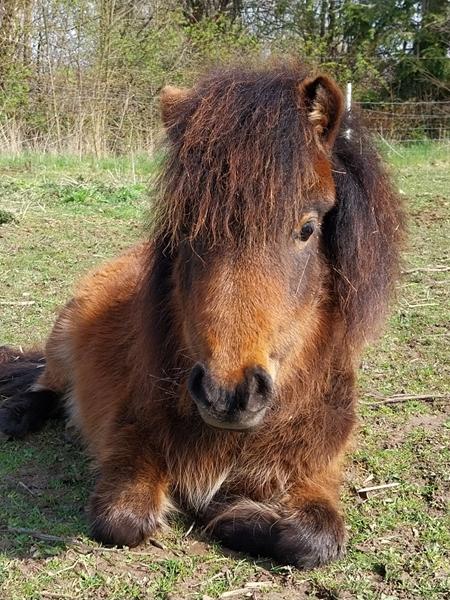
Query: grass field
[{"x": 60, "y": 216}]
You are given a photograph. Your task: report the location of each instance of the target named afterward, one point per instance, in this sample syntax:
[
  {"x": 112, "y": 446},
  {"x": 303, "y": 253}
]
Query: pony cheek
[
  {"x": 273, "y": 367},
  {"x": 191, "y": 341},
  {"x": 292, "y": 345},
  {"x": 197, "y": 344},
  {"x": 187, "y": 302}
]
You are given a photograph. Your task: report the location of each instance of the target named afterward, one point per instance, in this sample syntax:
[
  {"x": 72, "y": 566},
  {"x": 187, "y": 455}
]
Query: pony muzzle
[{"x": 240, "y": 408}]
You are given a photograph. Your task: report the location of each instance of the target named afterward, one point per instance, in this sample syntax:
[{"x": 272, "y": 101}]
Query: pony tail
[{"x": 363, "y": 234}]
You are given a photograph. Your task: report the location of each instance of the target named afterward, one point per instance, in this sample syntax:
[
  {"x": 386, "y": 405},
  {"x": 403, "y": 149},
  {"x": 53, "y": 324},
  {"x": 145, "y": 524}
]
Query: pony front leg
[
  {"x": 306, "y": 533},
  {"x": 310, "y": 534},
  {"x": 130, "y": 499}
]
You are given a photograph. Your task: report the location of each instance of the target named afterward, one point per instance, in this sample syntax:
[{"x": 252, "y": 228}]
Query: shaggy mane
[
  {"x": 238, "y": 169},
  {"x": 239, "y": 158}
]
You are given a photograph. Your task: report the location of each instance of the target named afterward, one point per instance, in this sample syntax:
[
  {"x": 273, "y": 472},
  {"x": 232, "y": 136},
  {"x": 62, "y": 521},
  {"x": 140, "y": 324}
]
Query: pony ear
[
  {"x": 170, "y": 98},
  {"x": 324, "y": 104}
]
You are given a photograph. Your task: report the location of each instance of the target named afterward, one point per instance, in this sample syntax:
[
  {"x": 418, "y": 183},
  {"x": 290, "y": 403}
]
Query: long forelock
[{"x": 239, "y": 161}]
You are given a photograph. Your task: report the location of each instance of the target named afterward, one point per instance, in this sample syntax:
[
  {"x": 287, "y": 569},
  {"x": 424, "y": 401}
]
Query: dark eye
[{"x": 305, "y": 232}]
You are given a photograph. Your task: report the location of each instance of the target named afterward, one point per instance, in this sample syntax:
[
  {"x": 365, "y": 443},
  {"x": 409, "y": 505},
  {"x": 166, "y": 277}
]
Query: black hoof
[
  {"x": 15, "y": 418},
  {"x": 27, "y": 412},
  {"x": 310, "y": 538},
  {"x": 120, "y": 527},
  {"x": 315, "y": 537}
]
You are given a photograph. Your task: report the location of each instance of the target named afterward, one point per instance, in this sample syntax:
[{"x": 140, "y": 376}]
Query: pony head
[{"x": 248, "y": 188}]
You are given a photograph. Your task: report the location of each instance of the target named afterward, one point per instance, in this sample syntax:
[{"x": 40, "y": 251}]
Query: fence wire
[
  {"x": 408, "y": 121},
  {"x": 92, "y": 119}
]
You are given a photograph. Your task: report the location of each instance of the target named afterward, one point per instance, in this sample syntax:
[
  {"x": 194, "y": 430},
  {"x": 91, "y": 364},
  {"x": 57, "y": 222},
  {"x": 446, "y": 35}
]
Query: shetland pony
[{"x": 212, "y": 368}]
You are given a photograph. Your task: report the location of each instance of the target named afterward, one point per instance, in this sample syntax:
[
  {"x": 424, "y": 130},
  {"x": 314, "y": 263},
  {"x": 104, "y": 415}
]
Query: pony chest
[
  {"x": 262, "y": 475},
  {"x": 198, "y": 478}
]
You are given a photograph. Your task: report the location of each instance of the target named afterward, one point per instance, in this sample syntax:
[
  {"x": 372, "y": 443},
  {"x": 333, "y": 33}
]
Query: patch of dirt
[
  {"x": 429, "y": 422},
  {"x": 28, "y": 481},
  {"x": 396, "y": 432},
  {"x": 429, "y": 213},
  {"x": 198, "y": 548}
]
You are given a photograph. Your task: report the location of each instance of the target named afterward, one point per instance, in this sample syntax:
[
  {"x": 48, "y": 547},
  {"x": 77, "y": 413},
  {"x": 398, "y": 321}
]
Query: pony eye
[{"x": 305, "y": 232}]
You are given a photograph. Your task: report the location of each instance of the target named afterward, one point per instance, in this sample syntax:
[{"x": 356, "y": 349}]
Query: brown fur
[{"x": 228, "y": 282}]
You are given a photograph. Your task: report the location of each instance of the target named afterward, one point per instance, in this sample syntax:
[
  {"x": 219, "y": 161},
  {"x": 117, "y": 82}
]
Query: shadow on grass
[
  {"x": 45, "y": 482},
  {"x": 44, "y": 486}
]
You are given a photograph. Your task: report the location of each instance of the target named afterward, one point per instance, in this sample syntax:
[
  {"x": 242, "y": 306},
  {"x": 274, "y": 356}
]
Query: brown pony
[{"x": 212, "y": 368}]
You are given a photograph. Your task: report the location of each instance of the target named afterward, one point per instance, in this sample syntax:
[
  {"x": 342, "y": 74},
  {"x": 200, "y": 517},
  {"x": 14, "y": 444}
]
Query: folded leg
[{"x": 130, "y": 498}]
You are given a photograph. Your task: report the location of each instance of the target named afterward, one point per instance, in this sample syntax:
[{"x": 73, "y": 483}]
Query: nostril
[
  {"x": 196, "y": 384},
  {"x": 264, "y": 385},
  {"x": 260, "y": 382}
]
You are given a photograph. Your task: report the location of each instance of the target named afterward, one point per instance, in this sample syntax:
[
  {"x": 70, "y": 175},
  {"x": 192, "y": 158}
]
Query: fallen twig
[
  {"x": 423, "y": 304},
  {"x": 397, "y": 398},
  {"x": 437, "y": 269},
  {"x": 39, "y": 535},
  {"x": 376, "y": 488},
  {"x": 209, "y": 580},
  {"x": 25, "y": 487},
  {"x": 233, "y": 593},
  {"x": 250, "y": 587},
  {"x": 68, "y": 568},
  {"x": 185, "y": 535}
]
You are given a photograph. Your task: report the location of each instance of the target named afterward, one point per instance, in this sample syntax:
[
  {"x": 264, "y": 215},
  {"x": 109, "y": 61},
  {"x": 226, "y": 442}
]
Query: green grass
[{"x": 59, "y": 216}]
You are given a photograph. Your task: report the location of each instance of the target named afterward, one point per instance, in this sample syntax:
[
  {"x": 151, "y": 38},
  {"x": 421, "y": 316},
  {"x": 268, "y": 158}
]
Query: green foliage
[
  {"x": 14, "y": 89},
  {"x": 84, "y": 77},
  {"x": 92, "y": 193},
  {"x": 220, "y": 40}
]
